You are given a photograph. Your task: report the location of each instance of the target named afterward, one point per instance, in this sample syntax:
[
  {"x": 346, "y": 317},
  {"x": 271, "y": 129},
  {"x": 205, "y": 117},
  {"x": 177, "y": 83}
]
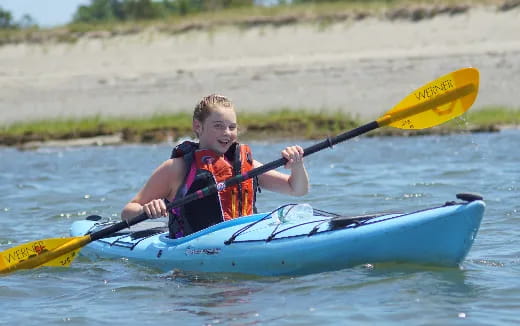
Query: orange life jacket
[{"x": 205, "y": 167}]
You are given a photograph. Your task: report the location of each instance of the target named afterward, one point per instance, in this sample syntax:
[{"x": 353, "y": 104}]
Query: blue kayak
[{"x": 271, "y": 244}]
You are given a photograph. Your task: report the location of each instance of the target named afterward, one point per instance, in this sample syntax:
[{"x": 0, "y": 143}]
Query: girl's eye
[{"x": 222, "y": 126}]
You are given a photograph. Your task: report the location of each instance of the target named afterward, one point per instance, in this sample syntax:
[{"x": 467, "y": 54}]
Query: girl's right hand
[
  {"x": 155, "y": 208},
  {"x": 294, "y": 156}
]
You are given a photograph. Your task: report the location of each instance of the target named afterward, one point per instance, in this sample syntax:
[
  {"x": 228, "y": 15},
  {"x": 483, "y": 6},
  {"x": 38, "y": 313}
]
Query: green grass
[
  {"x": 494, "y": 116},
  {"x": 294, "y": 123},
  {"x": 283, "y": 123}
]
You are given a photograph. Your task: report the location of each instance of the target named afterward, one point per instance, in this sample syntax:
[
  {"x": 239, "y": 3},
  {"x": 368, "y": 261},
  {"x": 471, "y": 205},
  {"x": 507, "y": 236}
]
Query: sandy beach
[{"x": 363, "y": 67}]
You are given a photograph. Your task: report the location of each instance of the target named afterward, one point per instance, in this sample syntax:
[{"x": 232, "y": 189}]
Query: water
[{"x": 42, "y": 192}]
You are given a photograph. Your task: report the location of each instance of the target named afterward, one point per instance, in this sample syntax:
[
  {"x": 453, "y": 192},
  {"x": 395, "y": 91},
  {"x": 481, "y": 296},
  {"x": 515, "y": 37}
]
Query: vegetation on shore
[
  {"x": 169, "y": 17},
  {"x": 284, "y": 123}
]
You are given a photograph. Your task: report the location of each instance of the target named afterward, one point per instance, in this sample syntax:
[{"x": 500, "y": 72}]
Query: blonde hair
[{"x": 208, "y": 103}]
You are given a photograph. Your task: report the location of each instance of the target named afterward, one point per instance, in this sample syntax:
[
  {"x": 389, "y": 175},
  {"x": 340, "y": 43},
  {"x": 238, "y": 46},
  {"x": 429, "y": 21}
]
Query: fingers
[
  {"x": 156, "y": 208},
  {"x": 293, "y": 155}
]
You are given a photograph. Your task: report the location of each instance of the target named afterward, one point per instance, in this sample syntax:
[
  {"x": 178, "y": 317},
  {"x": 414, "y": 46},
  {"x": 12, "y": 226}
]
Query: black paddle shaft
[{"x": 329, "y": 142}]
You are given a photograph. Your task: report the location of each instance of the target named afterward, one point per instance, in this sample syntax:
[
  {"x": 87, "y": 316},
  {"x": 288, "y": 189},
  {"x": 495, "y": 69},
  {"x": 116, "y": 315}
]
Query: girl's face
[{"x": 218, "y": 131}]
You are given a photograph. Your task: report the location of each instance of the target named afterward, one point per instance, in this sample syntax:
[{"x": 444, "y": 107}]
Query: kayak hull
[{"x": 259, "y": 245}]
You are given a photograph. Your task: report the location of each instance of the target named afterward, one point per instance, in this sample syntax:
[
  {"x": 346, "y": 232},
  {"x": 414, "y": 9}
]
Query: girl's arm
[
  {"x": 163, "y": 183},
  {"x": 296, "y": 184}
]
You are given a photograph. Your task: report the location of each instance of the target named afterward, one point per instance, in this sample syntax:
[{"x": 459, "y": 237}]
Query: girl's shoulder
[
  {"x": 173, "y": 168},
  {"x": 176, "y": 163}
]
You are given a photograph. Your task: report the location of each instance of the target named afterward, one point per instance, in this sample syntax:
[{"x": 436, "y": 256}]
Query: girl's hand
[
  {"x": 155, "y": 208},
  {"x": 294, "y": 156}
]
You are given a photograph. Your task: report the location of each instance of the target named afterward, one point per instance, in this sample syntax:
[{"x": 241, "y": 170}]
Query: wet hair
[{"x": 208, "y": 103}]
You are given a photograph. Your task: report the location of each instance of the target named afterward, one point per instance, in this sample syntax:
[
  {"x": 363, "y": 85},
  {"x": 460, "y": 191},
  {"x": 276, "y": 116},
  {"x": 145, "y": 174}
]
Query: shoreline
[
  {"x": 118, "y": 139},
  {"x": 356, "y": 67},
  {"x": 293, "y": 124}
]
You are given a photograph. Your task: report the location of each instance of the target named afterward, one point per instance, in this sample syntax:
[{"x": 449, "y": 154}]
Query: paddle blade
[
  {"x": 48, "y": 252},
  {"x": 436, "y": 102}
]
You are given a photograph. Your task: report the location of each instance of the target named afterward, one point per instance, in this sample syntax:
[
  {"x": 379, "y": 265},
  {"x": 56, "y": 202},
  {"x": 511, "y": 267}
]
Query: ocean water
[{"x": 43, "y": 191}]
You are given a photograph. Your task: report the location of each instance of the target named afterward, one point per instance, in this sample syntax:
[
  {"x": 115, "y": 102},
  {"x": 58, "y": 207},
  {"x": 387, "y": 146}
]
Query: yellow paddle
[{"x": 436, "y": 102}]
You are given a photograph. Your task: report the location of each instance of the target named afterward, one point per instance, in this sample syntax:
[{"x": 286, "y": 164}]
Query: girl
[{"x": 215, "y": 158}]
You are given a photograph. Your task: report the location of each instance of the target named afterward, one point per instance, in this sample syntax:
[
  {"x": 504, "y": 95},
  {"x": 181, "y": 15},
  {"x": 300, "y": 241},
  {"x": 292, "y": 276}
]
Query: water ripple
[{"x": 43, "y": 191}]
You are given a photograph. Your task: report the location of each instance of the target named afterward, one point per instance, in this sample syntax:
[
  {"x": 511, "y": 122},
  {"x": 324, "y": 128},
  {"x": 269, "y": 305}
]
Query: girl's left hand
[{"x": 294, "y": 156}]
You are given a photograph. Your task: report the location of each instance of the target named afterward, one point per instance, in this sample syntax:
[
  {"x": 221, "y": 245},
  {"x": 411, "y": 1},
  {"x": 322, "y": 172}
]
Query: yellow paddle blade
[
  {"x": 47, "y": 252},
  {"x": 436, "y": 102}
]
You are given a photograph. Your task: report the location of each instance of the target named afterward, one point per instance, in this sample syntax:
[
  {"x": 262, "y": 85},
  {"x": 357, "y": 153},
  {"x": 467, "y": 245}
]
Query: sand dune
[{"x": 363, "y": 67}]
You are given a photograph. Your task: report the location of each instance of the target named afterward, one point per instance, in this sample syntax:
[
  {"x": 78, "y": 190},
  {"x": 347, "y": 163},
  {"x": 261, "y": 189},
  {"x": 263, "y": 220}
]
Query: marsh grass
[
  {"x": 283, "y": 123},
  {"x": 498, "y": 115}
]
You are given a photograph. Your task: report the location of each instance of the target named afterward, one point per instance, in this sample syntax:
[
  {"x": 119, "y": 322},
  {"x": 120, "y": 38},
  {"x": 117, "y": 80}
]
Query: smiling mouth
[{"x": 224, "y": 142}]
